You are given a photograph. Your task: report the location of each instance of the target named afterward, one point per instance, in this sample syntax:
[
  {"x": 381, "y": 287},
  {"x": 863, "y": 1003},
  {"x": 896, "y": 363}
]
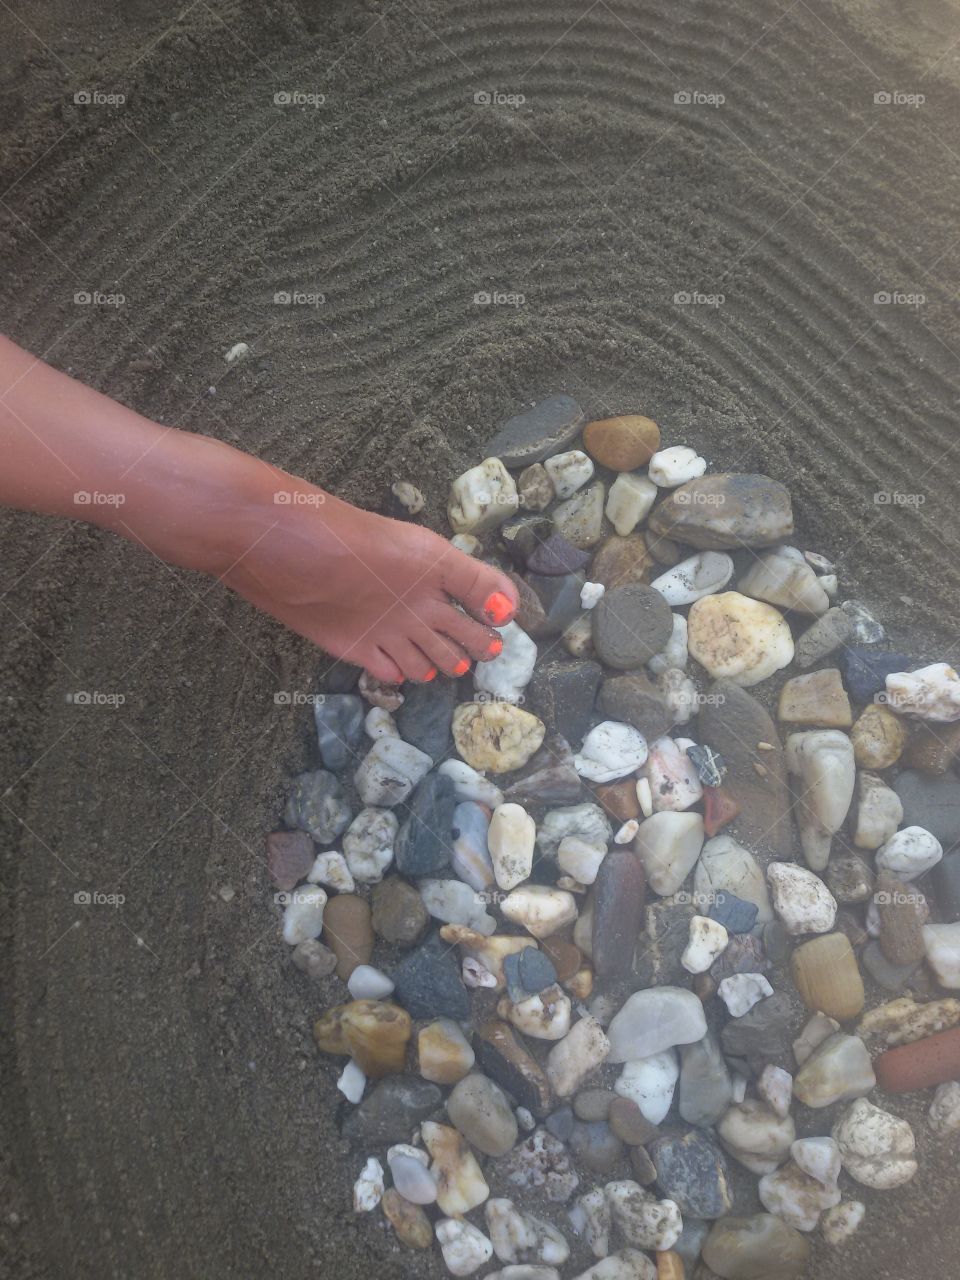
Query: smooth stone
[
  {"x": 393, "y": 1109},
  {"x": 610, "y": 751},
  {"x": 827, "y": 977},
  {"x": 892, "y": 977},
  {"x": 398, "y": 914},
  {"x": 909, "y": 853},
  {"x": 762, "y": 1035},
  {"x": 692, "y": 1172},
  {"x": 531, "y": 615},
  {"x": 532, "y": 435},
  {"x": 944, "y": 1113},
  {"x": 563, "y": 694},
  {"x": 511, "y": 839},
  {"x": 622, "y": 443},
  {"x": 303, "y": 914},
  {"x": 424, "y": 840},
  {"x": 761, "y": 1247},
  {"x": 689, "y": 1246},
  {"x": 876, "y": 1148},
  {"x": 795, "y": 1197},
  {"x": 549, "y": 777},
  {"x": 787, "y": 581},
  {"x": 578, "y": 635},
  {"x": 946, "y": 879},
  {"x": 706, "y": 1089},
  {"x": 629, "y": 502},
  {"x": 482, "y": 498},
  {"x": 566, "y": 958},
  {"x": 428, "y": 983},
  {"x": 622, "y": 561},
  {"x": 776, "y": 942},
  {"x": 502, "y": 1057},
  {"x": 571, "y": 1060},
  {"x": 560, "y": 1123},
  {"x": 849, "y": 878},
  {"x": 708, "y": 938},
  {"x": 654, "y": 1020},
  {"x": 822, "y": 760},
  {"x": 535, "y": 488},
  {"x": 545, "y": 1016},
  {"x": 506, "y": 676},
  {"x": 724, "y": 511},
  {"x": 425, "y": 718},
  {"x": 593, "y": 1104},
  {"x": 865, "y": 670},
  {"x": 636, "y": 700},
  {"x": 460, "y": 1184},
  {"x": 664, "y": 550},
  {"x": 569, "y": 471},
  {"x": 650, "y": 1082},
  {"x": 631, "y": 625},
  {"x": 727, "y": 872},
  {"x": 374, "y": 1033},
  {"x": 675, "y": 653},
  {"x": 339, "y": 721},
  {"x": 464, "y": 1247},
  {"x": 541, "y": 1161},
  {"x": 744, "y": 954},
  {"x": 314, "y": 959},
  {"x": 629, "y": 1123},
  {"x": 580, "y": 859},
  {"x": 389, "y": 772},
  {"x": 619, "y": 799},
  {"x": 368, "y": 1188},
  {"x": 411, "y": 1224},
  {"x": 316, "y": 804},
  {"x": 738, "y": 639},
  {"x": 775, "y": 1087},
  {"x": 626, "y": 1264},
  {"x": 933, "y": 1061},
  {"x": 580, "y": 518},
  {"x": 618, "y": 905},
  {"x": 676, "y": 465},
  {"x": 496, "y": 736},
  {"x": 878, "y": 738},
  {"x": 690, "y": 580},
  {"x": 801, "y": 899},
  {"x": 290, "y": 855},
  {"x": 468, "y": 784},
  {"x": 842, "y": 1221},
  {"x": 668, "y": 845},
  {"x": 879, "y": 812},
  {"x": 411, "y": 1175},
  {"x": 741, "y": 991},
  {"x": 444, "y": 1054},
  {"x": 736, "y": 915},
  {"x": 596, "y": 1147},
  {"x": 541, "y": 909},
  {"x": 733, "y": 722},
  {"x": 674, "y": 783},
  {"x": 522, "y": 534},
  {"x": 367, "y": 983},
  {"x": 588, "y": 821},
  {"x": 454, "y": 902},
  {"x": 478, "y": 1108},
  {"x": 522, "y": 1237},
  {"x": 469, "y": 853},
  {"x": 942, "y": 943},
  {"x": 641, "y": 1218},
  {"x": 932, "y": 803},
  {"x": 930, "y": 693},
  {"x": 818, "y": 698},
  {"x": 838, "y": 1070},
  {"x": 756, "y": 1137},
  {"x": 903, "y": 913},
  {"x": 559, "y": 599},
  {"x": 829, "y": 632},
  {"x": 641, "y": 1166}
]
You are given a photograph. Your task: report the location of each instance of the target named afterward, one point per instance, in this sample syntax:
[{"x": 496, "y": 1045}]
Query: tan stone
[
  {"x": 374, "y": 1033},
  {"x": 496, "y": 736},
  {"x": 408, "y": 1220},
  {"x": 827, "y": 976},
  {"x": 621, "y": 561},
  {"x": 816, "y": 699},
  {"x": 348, "y": 932},
  {"x": 444, "y": 1053},
  {"x": 878, "y": 737}
]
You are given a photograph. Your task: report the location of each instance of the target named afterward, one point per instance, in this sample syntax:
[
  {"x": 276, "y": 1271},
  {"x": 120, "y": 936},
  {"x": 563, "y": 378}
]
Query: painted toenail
[
  {"x": 462, "y": 667},
  {"x": 430, "y": 674},
  {"x": 498, "y": 608},
  {"x": 496, "y": 647}
]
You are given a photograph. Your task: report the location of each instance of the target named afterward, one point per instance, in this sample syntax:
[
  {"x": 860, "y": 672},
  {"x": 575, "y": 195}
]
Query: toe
[
  {"x": 478, "y": 641},
  {"x": 482, "y": 590},
  {"x": 382, "y": 667},
  {"x": 412, "y": 661},
  {"x": 448, "y": 656}
]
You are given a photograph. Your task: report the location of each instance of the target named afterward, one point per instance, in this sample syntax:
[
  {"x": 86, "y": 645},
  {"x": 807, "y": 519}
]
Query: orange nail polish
[
  {"x": 462, "y": 667},
  {"x": 498, "y": 608},
  {"x": 430, "y": 674},
  {"x": 496, "y": 647}
]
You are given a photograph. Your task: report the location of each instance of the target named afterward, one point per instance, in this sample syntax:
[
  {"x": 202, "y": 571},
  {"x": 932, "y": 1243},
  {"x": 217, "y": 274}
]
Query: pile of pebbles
[{"x": 596, "y": 932}]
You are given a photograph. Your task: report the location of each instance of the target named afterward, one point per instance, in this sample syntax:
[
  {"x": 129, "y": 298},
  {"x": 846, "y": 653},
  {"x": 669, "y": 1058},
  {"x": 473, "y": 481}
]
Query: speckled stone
[
  {"x": 631, "y": 625},
  {"x": 428, "y": 984},
  {"x": 692, "y": 1171},
  {"x": 399, "y": 915},
  {"x": 563, "y": 694}
]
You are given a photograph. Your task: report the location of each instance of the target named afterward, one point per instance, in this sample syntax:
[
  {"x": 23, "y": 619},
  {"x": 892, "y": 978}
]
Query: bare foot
[{"x": 376, "y": 592}]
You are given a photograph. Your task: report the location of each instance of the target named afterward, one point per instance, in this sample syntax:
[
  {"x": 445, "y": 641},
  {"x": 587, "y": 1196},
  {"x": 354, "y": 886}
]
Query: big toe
[{"x": 482, "y": 590}]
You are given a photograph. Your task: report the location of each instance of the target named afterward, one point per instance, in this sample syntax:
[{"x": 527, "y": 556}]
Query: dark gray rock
[
  {"x": 865, "y": 670},
  {"x": 706, "y": 1090},
  {"x": 393, "y": 1109},
  {"x": 425, "y": 718},
  {"x": 534, "y": 435},
  {"x": 946, "y": 880},
  {"x": 709, "y": 764},
  {"x": 743, "y": 954},
  {"x": 563, "y": 695},
  {"x": 636, "y": 701},
  {"x": 596, "y": 1146},
  {"x": 760, "y": 1036},
  {"x": 316, "y": 804},
  {"x": 428, "y": 984},
  {"x": 692, "y": 1171},
  {"x": 560, "y": 1123},
  {"x": 423, "y": 843},
  {"x": 555, "y": 555},
  {"x": 523, "y": 534},
  {"x": 618, "y": 902},
  {"x": 503, "y": 1057},
  {"x": 931, "y": 802},
  {"x": 776, "y": 942},
  {"x": 339, "y": 676},
  {"x": 560, "y": 599},
  {"x": 733, "y": 913},
  {"x": 631, "y": 625},
  {"x": 659, "y": 948},
  {"x": 536, "y": 970},
  {"x": 339, "y": 720}
]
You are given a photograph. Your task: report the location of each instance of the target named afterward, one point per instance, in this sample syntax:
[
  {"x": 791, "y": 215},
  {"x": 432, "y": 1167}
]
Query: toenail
[
  {"x": 430, "y": 674},
  {"x": 498, "y": 608},
  {"x": 496, "y": 647},
  {"x": 462, "y": 667}
]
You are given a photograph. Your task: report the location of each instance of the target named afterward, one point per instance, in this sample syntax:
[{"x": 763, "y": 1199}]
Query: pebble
[
  {"x": 726, "y": 872},
  {"x": 932, "y": 803},
  {"x": 303, "y": 915},
  {"x": 932, "y": 1061},
  {"x": 944, "y": 1113},
  {"x": 761, "y": 1247},
  {"x": 892, "y": 977},
  {"x": 760, "y": 1036},
  {"x": 561, "y": 1123},
  {"x": 368, "y": 1188},
  {"x": 351, "y": 1082},
  {"x": 428, "y": 983},
  {"x": 654, "y": 1020},
  {"x": 909, "y": 853},
  {"x": 468, "y": 784},
  {"x": 738, "y": 639},
  {"x": 903, "y": 1021},
  {"x": 368, "y": 844},
  {"x": 823, "y": 762},
  {"x": 626, "y": 1264},
  {"x": 946, "y": 878},
  {"x": 467, "y": 543},
  {"x": 622, "y": 443},
  {"x": 460, "y": 1184},
  {"x": 644, "y": 798},
  {"x": 565, "y": 956},
  {"x": 425, "y": 717},
  {"x": 596, "y": 1147},
  {"x": 675, "y": 653},
  {"x": 570, "y": 1061},
  {"x": 631, "y": 625},
  {"x": 580, "y": 518},
  {"x": 580, "y": 859},
  {"x": 775, "y": 1087},
  {"x": 482, "y": 498},
  {"x": 629, "y": 1123},
  {"x": 541, "y": 1161},
  {"x": 618, "y": 905},
  {"x": 590, "y": 1218},
  {"x": 642, "y": 1219},
  {"x": 478, "y": 1108},
  {"x": 367, "y": 983},
  {"x": 398, "y": 914},
  {"x": 878, "y": 738},
  {"x": 489, "y": 951},
  {"x": 454, "y": 902},
  {"x": 842, "y": 1221},
  {"x": 290, "y": 855},
  {"x": 629, "y": 502},
  {"x": 756, "y": 1136},
  {"x": 375, "y": 1034},
  {"x": 642, "y": 1167},
  {"x": 676, "y": 465},
  {"x": 849, "y": 878},
  {"x": 830, "y": 632},
  {"x": 496, "y": 735},
  {"x": 636, "y": 700},
  {"x": 443, "y": 1052},
  {"x": 741, "y": 991},
  {"x": 541, "y": 909},
  {"x": 902, "y": 914},
  {"x": 674, "y": 783},
  {"x": 795, "y": 1197},
  {"x": 626, "y": 832},
  {"x": 409, "y": 1168},
  {"x": 588, "y": 821},
  {"x": 706, "y": 1089},
  {"x": 591, "y": 593},
  {"x": 593, "y": 1104},
  {"x": 708, "y": 938},
  {"x": 610, "y": 751},
  {"x": 877, "y": 1148},
  {"x": 879, "y": 812},
  {"x": 331, "y": 869},
  {"x": 782, "y": 577},
  {"x": 408, "y": 1220},
  {"x": 389, "y": 772},
  {"x": 569, "y": 471},
  {"x": 505, "y": 1060},
  {"x": 818, "y": 698},
  {"x": 865, "y": 670},
  {"x": 522, "y": 1237},
  {"x": 511, "y": 838},
  {"x": 650, "y": 1083},
  {"x": 316, "y": 804},
  {"x": 838, "y": 1069},
  {"x": 549, "y": 778},
  {"x": 469, "y": 855},
  {"x": 393, "y": 1109},
  {"x": 827, "y": 977},
  {"x": 690, "y": 580},
  {"x": 314, "y": 959},
  {"x": 423, "y": 842},
  {"x": 668, "y": 844},
  {"x": 801, "y": 899},
  {"x": 563, "y": 694},
  {"x": 532, "y": 435},
  {"x": 386, "y": 696},
  {"x": 339, "y": 721},
  {"x": 680, "y": 694},
  {"x": 506, "y": 676},
  {"x": 621, "y": 561},
  {"x": 535, "y": 488},
  {"x": 709, "y": 764},
  {"x": 692, "y": 1172},
  {"x": 736, "y": 915},
  {"x": 929, "y": 693},
  {"x": 545, "y": 1016},
  {"x": 724, "y": 511},
  {"x": 464, "y": 1246}
]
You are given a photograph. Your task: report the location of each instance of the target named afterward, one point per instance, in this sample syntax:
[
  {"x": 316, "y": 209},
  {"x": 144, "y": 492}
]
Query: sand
[{"x": 164, "y": 1112}]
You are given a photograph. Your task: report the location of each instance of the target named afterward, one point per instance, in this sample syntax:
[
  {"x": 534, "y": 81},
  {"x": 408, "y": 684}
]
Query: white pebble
[
  {"x": 675, "y": 655},
  {"x": 708, "y": 939},
  {"x": 368, "y": 983},
  {"x": 379, "y": 723},
  {"x": 942, "y": 945},
  {"x": 569, "y": 471},
  {"x": 626, "y": 833},
  {"x": 352, "y": 1082},
  {"x": 368, "y": 1188},
  {"x": 629, "y": 501},
  {"x": 690, "y": 580},
  {"x": 909, "y": 853},
  {"x": 511, "y": 838},
  {"x": 801, "y": 899},
  {"x": 482, "y": 498},
  {"x": 331, "y": 869},
  {"x": 674, "y": 782},
  {"x": 944, "y": 1114},
  {"x": 467, "y": 543},
  {"x": 239, "y": 351},
  {"x": 580, "y": 858},
  {"x": 741, "y": 991},
  {"x": 775, "y": 1087},
  {"x": 645, "y": 797},
  {"x": 670, "y": 467},
  {"x": 930, "y": 693},
  {"x": 842, "y": 1221},
  {"x": 463, "y": 1246},
  {"x": 591, "y": 593},
  {"x": 303, "y": 915},
  {"x": 468, "y": 784},
  {"x": 454, "y": 902},
  {"x": 610, "y": 750},
  {"x": 650, "y": 1083},
  {"x": 476, "y": 975},
  {"x": 508, "y": 674}
]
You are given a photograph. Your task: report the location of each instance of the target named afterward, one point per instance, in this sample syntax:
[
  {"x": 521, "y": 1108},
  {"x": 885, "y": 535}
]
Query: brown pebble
[
  {"x": 408, "y": 1220},
  {"x": 901, "y": 919},
  {"x": 564, "y": 956},
  {"x": 817, "y": 698},
  {"x": 619, "y": 896},
  {"x": 760, "y": 769},
  {"x": 348, "y": 932},
  {"x": 932, "y": 749},
  {"x": 669, "y": 1266},
  {"x": 630, "y": 1124},
  {"x": 580, "y": 985},
  {"x": 622, "y": 443},
  {"x": 644, "y": 1170},
  {"x": 827, "y": 976},
  {"x": 878, "y": 737},
  {"x": 665, "y": 551},
  {"x": 927, "y": 1062},
  {"x": 290, "y": 855},
  {"x": 373, "y": 1032},
  {"x": 593, "y": 1104},
  {"x": 619, "y": 799},
  {"x": 399, "y": 915},
  {"x": 704, "y": 987},
  {"x": 622, "y": 561}
]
